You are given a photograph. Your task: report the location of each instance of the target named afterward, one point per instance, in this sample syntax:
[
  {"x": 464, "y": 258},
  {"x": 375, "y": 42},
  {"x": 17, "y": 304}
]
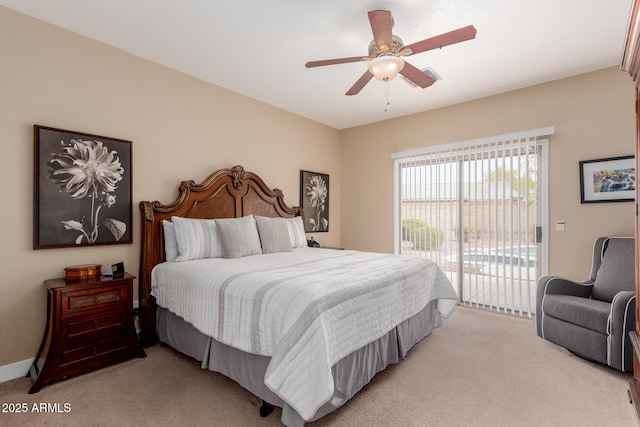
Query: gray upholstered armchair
[{"x": 592, "y": 319}]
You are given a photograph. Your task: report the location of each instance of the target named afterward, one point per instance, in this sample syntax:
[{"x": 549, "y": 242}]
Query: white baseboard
[{"x": 15, "y": 370}]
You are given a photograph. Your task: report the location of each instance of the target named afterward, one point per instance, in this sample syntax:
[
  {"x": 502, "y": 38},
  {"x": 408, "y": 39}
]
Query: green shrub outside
[{"x": 421, "y": 235}]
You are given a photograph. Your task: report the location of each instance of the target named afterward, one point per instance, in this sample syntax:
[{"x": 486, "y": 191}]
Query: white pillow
[
  {"x": 170, "y": 242},
  {"x": 197, "y": 238},
  {"x": 274, "y": 234},
  {"x": 296, "y": 232},
  {"x": 239, "y": 236}
]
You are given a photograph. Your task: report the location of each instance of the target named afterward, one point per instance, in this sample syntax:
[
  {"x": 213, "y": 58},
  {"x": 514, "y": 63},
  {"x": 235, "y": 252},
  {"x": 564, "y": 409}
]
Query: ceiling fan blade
[
  {"x": 446, "y": 39},
  {"x": 334, "y": 61},
  {"x": 362, "y": 82},
  {"x": 415, "y": 75},
  {"x": 381, "y": 24}
]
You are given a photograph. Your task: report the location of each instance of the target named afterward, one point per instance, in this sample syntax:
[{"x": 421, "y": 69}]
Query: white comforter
[{"x": 306, "y": 309}]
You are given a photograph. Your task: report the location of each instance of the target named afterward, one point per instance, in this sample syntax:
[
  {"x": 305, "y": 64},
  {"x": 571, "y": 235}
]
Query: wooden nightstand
[{"x": 89, "y": 326}]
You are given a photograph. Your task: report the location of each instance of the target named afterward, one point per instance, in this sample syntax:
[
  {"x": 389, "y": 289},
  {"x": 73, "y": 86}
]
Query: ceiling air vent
[{"x": 428, "y": 71}]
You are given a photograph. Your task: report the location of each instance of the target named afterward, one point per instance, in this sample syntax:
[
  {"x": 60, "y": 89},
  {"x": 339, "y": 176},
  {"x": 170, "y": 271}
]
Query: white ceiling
[{"x": 258, "y": 48}]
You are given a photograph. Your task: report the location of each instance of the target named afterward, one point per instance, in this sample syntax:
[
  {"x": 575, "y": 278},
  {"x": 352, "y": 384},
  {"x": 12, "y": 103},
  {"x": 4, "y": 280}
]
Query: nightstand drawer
[
  {"x": 99, "y": 326},
  {"x": 93, "y": 299},
  {"x": 89, "y": 353}
]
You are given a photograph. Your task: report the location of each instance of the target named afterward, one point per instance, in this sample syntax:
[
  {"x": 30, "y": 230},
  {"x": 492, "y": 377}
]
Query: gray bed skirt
[{"x": 350, "y": 374}]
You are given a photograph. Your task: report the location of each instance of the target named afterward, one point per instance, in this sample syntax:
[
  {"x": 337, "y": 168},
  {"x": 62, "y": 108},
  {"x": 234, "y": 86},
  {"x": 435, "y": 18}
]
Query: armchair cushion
[
  {"x": 588, "y": 313},
  {"x": 617, "y": 271}
]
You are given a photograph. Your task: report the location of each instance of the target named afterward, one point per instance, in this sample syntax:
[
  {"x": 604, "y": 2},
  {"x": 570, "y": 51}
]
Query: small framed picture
[
  {"x": 608, "y": 180},
  {"x": 82, "y": 189},
  {"x": 314, "y": 200}
]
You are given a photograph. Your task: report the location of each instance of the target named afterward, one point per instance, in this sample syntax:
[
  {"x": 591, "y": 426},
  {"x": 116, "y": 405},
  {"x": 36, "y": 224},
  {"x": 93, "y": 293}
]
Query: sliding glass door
[{"x": 478, "y": 211}]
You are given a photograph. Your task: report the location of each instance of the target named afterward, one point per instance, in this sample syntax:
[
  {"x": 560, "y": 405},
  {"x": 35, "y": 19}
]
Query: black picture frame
[
  {"x": 82, "y": 189},
  {"x": 117, "y": 270},
  {"x": 611, "y": 179},
  {"x": 314, "y": 200}
]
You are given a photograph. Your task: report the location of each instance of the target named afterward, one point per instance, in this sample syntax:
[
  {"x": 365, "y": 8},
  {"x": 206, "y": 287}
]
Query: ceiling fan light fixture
[
  {"x": 385, "y": 68},
  {"x": 386, "y": 51}
]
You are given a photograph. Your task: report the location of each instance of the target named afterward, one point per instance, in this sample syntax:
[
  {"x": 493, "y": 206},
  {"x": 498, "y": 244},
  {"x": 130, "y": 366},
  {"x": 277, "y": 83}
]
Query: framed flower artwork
[
  {"x": 82, "y": 189},
  {"x": 314, "y": 199}
]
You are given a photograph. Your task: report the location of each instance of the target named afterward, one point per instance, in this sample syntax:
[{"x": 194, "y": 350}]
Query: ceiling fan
[{"x": 386, "y": 51}]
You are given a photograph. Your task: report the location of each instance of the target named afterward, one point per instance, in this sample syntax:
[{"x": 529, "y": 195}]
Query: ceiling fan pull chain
[{"x": 386, "y": 97}]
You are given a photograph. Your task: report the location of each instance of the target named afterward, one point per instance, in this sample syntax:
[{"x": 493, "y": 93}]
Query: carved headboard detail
[{"x": 227, "y": 193}]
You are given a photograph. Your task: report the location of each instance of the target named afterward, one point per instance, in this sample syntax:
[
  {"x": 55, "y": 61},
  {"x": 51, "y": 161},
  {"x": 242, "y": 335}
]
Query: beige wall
[
  {"x": 593, "y": 115},
  {"x": 181, "y": 128}
]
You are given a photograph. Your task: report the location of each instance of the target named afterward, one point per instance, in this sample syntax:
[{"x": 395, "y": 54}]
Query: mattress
[{"x": 304, "y": 310}]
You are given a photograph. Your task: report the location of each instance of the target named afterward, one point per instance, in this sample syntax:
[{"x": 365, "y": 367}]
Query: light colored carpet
[{"x": 479, "y": 369}]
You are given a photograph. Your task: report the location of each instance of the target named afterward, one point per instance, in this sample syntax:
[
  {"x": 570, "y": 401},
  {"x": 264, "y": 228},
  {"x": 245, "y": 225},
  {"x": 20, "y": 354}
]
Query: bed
[{"x": 301, "y": 328}]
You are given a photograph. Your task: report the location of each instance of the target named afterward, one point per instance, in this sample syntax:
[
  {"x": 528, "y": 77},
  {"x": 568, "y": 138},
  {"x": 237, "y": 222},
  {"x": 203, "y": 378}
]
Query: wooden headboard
[{"x": 227, "y": 193}]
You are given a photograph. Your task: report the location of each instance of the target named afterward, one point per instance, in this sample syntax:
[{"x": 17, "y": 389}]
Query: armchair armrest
[
  {"x": 623, "y": 303},
  {"x": 561, "y": 286},
  {"x": 622, "y": 320}
]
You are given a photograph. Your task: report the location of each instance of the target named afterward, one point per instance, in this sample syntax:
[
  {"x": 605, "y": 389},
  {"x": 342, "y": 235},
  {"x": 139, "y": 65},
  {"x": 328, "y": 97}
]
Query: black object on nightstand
[{"x": 89, "y": 326}]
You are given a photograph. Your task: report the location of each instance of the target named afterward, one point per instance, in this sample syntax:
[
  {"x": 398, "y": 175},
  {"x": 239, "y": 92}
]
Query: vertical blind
[{"x": 477, "y": 209}]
